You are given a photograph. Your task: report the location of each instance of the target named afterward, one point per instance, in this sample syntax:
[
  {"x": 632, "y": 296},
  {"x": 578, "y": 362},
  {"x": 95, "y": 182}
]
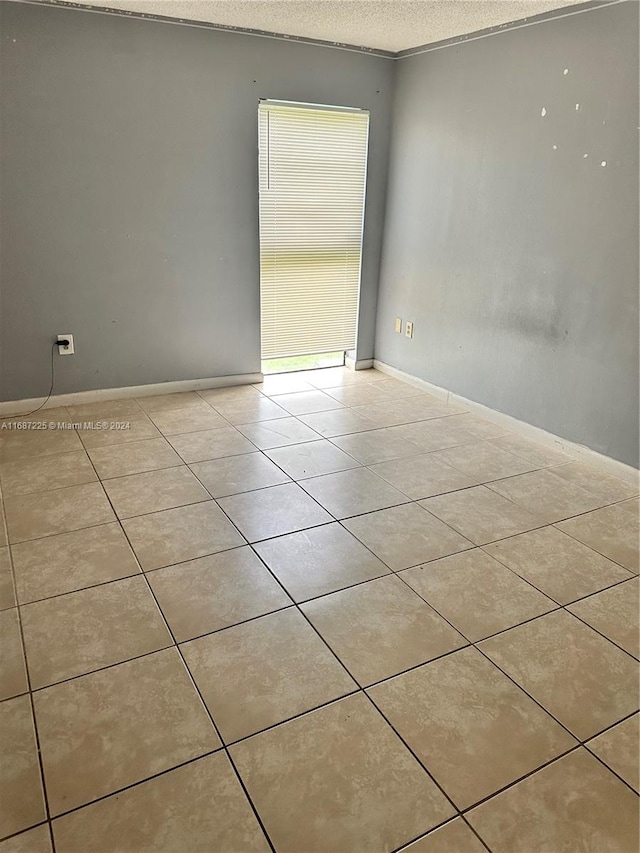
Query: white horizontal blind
[{"x": 313, "y": 165}]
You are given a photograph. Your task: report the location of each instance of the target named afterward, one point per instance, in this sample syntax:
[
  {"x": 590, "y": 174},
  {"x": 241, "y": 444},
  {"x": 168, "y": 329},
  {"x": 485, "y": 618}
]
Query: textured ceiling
[{"x": 392, "y": 25}]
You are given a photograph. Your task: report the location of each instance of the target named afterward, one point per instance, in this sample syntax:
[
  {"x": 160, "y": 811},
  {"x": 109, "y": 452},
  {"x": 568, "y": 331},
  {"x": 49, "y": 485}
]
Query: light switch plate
[{"x": 398, "y": 325}]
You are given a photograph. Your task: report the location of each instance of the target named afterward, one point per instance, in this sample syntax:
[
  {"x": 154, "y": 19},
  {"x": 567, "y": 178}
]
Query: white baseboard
[
  {"x": 15, "y": 407},
  {"x": 362, "y": 364},
  {"x": 581, "y": 453}
]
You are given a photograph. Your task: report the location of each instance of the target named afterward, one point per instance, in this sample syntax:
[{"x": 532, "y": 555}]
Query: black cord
[{"x": 48, "y": 397}]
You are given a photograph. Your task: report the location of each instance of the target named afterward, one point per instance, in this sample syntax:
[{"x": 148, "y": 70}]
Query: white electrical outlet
[
  {"x": 408, "y": 329},
  {"x": 398, "y": 325},
  {"x": 68, "y": 349}
]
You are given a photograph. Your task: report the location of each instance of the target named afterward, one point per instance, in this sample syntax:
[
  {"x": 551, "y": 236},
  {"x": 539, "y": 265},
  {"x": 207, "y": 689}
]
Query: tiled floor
[{"x": 326, "y": 614}]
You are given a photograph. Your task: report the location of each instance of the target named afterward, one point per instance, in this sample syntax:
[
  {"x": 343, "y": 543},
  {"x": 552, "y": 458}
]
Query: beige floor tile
[
  {"x": 471, "y": 727},
  {"x": 262, "y": 672},
  {"x": 388, "y": 412},
  {"x": 353, "y": 492},
  {"x": 27, "y": 444},
  {"x": 473, "y": 428},
  {"x": 21, "y": 797},
  {"x": 450, "y": 431},
  {"x": 432, "y": 435},
  {"x": 423, "y": 476},
  {"x": 582, "y": 679},
  {"x": 181, "y": 534},
  {"x": 167, "y": 402},
  {"x": 230, "y": 394},
  {"x": 3, "y": 532},
  {"x": 381, "y": 628},
  {"x": 357, "y": 394},
  {"x": 153, "y": 491},
  {"x": 397, "y": 389},
  {"x": 46, "y": 473},
  {"x": 606, "y": 488},
  {"x": 137, "y": 457},
  {"x": 273, "y": 511},
  {"x": 70, "y": 561},
  {"x": 393, "y": 412},
  {"x": 311, "y": 459},
  {"x": 453, "y": 837},
  {"x": 137, "y": 429},
  {"x": 215, "y": 592},
  {"x": 612, "y": 532},
  {"x": 406, "y": 536},
  {"x": 192, "y": 419},
  {"x": 336, "y": 377},
  {"x": 250, "y": 410},
  {"x": 283, "y": 384},
  {"x": 13, "y": 675},
  {"x": 109, "y": 729},
  {"x": 337, "y": 422},
  {"x": 484, "y": 461},
  {"x": 48, "y": 513},
  {"x": 56, "y": 414},
  {"x": 573, "y": 804},
  {"x": 83, "y": 631},
  {"x": 105, "y": 410},
  {"x": 320, "y": 560},
  {"x": 477, "y": 594},
  {"x": 378, "y": 445},
  {"x": 614, "y": 613},
  {"x": 37, "y": 840},
  {"x": 198, "y": 807},
  {"x": 547, "y": 495},
  {"x": 307, "y": 402},
  {"x": 537, "y": 454},
  {"x": 7, "y": 592},
  {"x": 277, "y": 433},
  {"x": 338, "y": 779},
  {"x": 632, "y": 505},
  {"x": 369, "y": 374},
  {"x": 557, "y": 564},
  {"x": 235, "y": 474},
  {"x": 481, "y": 514},
  {"x": 211, "y": 444},
  {"x": 619, "y": 748}
]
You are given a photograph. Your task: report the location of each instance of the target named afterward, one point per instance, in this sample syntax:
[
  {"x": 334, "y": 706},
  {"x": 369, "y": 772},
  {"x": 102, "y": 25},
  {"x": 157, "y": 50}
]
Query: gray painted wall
[
  {"x": 518, "y": 263},
  {"x": 129, "y": 212}
]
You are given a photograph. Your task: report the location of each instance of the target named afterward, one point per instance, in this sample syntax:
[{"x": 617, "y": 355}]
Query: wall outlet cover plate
[{"x": 68, "y": 350}]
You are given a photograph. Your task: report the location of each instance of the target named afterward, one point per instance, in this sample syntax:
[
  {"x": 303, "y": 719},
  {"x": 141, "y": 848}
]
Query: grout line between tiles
[
  {"x": 597, "y": 630},
  {"x": 602, "y": 761},
  {"x": 14, "y": 835},
  {"x": 424, "y": 835},
  {"x": 136, "y": 784},
  {"x": 575, "y": 748},
  {"x": 611, "y": 559},
  {"x": 538, "y": 589}
]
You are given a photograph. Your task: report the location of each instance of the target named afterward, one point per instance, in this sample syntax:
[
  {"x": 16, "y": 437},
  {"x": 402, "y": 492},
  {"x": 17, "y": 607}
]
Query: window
[{"x": 312, "y": 167}]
